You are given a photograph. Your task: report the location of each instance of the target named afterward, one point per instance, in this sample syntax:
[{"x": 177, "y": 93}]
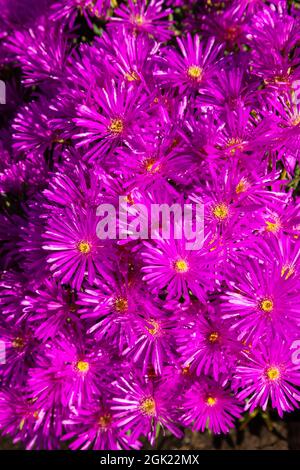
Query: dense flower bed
[{"x": 104, "y": 342}]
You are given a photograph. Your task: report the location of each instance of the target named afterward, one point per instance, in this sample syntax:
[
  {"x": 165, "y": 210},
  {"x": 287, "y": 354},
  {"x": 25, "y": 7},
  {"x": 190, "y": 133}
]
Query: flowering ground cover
[{"x": 117, "y": 342}]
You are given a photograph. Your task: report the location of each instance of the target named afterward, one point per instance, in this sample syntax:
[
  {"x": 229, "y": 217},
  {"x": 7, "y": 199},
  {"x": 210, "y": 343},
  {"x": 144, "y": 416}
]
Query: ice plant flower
[
  {"x": 211, "y": 406},
  {"x": 149, "y": 218},
  {"x": 268, "y": 372}
]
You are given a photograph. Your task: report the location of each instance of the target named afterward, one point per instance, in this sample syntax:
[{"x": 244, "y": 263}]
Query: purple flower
[
  {"x": 261, "y": 300},
  {"x": 268, "y": 373},
  {"x": 193, "y": 67},
  {"x": 142, "y": 407},
  {"x": 145, "y": 18},
  {"x": 74, "y": 246},
  {"x": 113, "y": 118},
  {"x": 209, "y": 405},
  {"x": 96, "y": 426}
]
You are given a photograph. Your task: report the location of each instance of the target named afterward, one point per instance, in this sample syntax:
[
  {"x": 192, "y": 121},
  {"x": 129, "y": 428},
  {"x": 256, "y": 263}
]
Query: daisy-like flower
[
  {"x": 210, "y": 406},
  {"x": 113, "y": 118},
  {"x": 70, "y": 371},
  {"x": 42, "y": 53},
  {"x": 20, "y": 418},
  {"x": 73, "y": 246},
  {"x": 169, "y": 266},
  {"x": 21, "y": 349},
  {"x": 142, "y": 407},
  {"x": 145, "y": 17},
  {"x": 150, "y": 163},
  {"x": 153, "y": 344},
  {"x": 131, "y": 58},
  {"x": 268, "y": 373},
  {"x": 95, "y": 427},
  {"x": 109, "y": 307},
  {"x": 228, "y": 26},
  {"x": 51, "y": 310},
  {"x": 193, "y": 67},
  {"x": 68, "y": 10},
  {"x": 208, "y": 346},
  {"x": 261, "y": 301}
]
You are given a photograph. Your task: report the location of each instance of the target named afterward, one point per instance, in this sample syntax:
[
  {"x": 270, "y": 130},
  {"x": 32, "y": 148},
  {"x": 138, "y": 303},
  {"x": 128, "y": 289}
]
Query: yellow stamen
[
  {"x": 287, "y": 271},
  {"x": 132, "y": 76},
  {"x": 129, "y": 198},
  {"x": 242, "y": 186},
  {"x": 221, "y": 211},
  {"x": 82, "y": 366},
  {"x": 273, "y": 226},
  {"x": 138, "y": 20},
  {"x": 234, "y": 144},
  {"x": 154, "y": 327},
  {"x": 296, "y": 120},
  {"x": 151, "y": 165},
  {"x": 273, "y": 373},
  {"x": 195, "y": 72},
  {"x": 148, "y": 406},
  {"x": 211, "y": 401},
  {"x": 105, "y": 421},
  {"x": 213, "y": 337},
  {"x": 116, "y": 126},
  {"x": 121, "y": 304},
  {"x": 267, "y": 305},
  {"x": 18, "y": 343},
  {"x": 84, "y": 247},
  {"x": 181, "y": 266},
  {"x": 186, "y": 370}
]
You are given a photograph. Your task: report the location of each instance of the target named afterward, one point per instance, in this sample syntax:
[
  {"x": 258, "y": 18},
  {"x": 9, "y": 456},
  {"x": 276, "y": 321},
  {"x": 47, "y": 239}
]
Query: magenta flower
[
  {"x": 118, "y": 114},
  {"x": 74, "y": 247},
  {"x": 193, "y": 67},
  {"x": 210, "y": 406},
  {"x": 143, "y": 407},
  {"x": 183, "y": 118},
  {"x": 262, "y": 300},
  {"x": 169, "y": 265},
  {"x": 97, "y": 427},
  {"x": 145, "y": 18},
  {"x": 268, "y": 373}
]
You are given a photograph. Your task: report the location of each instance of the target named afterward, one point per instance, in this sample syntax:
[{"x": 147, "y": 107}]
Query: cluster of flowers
[{"x": 108, "y": 342}]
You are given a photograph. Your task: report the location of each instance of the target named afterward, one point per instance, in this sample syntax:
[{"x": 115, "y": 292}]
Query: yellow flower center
[
  {"x": 266, "y": 305},
  {"x": 181, "y": 266},
  {"x": 221, "y": 211},
  {"x": 116, "y": 126},
  {"x": 84, "y": 247},
  {"x": 273, "y": 373},
  {"x": 148, "y": 406},
  {"x": 129, "y": 198},
  {"x": 195, "y": 72},
  {"x": 105, "y": 421},
  {"x": 138, "y": 20},
  {"x": 234, "y": 144},
  {"x": 82, "y": 366},
  {"x": 151, "y": 165},
  {"x": 186, "y": 370},
  {"x": 18, "y": 343},
  {"x": 213, "y": 337},
  {"x": 121, "y": 304},
  {"x": 296, "y": 120},
  {"x": 211, "y": 401},
  {"x": 132, "y": 76},
  {"x": 154, "y": 327},
  {"x": 242, "y": 186},
  {"x": 273, "y": 226}
]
